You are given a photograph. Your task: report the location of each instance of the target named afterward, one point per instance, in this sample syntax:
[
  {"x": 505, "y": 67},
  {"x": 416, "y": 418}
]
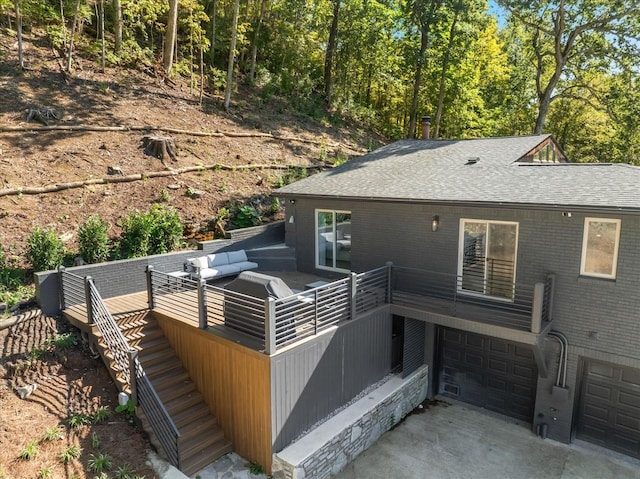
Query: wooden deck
[{"x": 77, "y": 315}]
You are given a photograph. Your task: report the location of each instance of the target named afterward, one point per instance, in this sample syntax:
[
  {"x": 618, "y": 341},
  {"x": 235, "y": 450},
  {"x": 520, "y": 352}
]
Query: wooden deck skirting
[
  {"x": 235, "y": 382},
  {"x": 230, "y": 373}
]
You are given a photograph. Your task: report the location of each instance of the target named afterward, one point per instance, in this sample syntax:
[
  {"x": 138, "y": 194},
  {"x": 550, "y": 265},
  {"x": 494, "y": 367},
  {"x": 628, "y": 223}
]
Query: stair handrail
[
  {"x": 161, "y": 422},
  {"x": 114, "y": 340},
  {"x": 145, "y": 394}
]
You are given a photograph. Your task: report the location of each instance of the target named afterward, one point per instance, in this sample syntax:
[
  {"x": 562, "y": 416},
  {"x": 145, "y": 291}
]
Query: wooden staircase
[{"x": 201, "y": 439}]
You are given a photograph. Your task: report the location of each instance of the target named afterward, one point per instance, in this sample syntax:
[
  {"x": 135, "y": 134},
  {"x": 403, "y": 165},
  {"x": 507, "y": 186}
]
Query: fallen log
[
  {"x": 38, "y": 190},
  {"x": 177, "y": 131}
]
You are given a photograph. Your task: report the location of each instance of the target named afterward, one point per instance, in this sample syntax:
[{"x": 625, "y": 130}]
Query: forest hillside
[
  {"x": 72, "y": 147},
  {"x": 201, "y": 108}
]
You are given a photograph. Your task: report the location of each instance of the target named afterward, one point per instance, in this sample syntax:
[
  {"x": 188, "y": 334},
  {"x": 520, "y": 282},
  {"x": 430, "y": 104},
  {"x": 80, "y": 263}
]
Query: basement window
[{"x": 600, "y": 247}]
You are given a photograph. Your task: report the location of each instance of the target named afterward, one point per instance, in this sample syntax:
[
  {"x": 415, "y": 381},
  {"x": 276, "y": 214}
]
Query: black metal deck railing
[
  {"x": 125, "y": 360},
  {"x": 495, "y": 301},
  {"x": 72, "y": 290},
  {"x": 274, "y": 323}
]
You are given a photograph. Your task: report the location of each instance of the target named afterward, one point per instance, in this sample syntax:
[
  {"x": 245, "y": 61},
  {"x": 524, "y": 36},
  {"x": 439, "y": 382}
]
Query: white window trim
[
  {"x": 585, "y": 239},
  {"x": 461, "y": 256},
  {"x": 315, "y": 233}
]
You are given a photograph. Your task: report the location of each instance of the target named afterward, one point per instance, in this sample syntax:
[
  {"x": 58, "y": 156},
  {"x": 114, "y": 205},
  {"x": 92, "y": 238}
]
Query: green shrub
[
  {"x": 93, "y": 240},
  {"x": 70, "y": 453},
  {"x": 136, "y": 233},
  {"x": 246, "y": 216},
  {"x": 155, "y": 232},
  {"x": 45, "y": 250},
  {"x": 275, "y": 206},
  {"x": 52, "y": 434},
  {"x": 101, "y": 462},
  {"x": 78, "y": 421},
  {"x": 29, "y": 452},
  {"x": 166, "y": 229},
  {"x": 45, "y": 473},
  {"x": 63, "y": 341},
  {"x": 102, "y": 414}
]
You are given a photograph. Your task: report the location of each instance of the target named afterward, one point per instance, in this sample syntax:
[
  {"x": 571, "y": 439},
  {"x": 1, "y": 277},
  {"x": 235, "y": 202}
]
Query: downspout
[{"x": 561, "y": 378}]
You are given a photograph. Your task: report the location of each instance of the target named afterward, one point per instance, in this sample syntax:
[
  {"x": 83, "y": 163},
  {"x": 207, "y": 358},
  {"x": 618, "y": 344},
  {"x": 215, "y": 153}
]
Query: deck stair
[{"x": 201, "y": 440}]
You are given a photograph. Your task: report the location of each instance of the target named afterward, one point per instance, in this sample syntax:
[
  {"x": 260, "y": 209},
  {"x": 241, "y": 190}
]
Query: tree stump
[{"x": 159, "y": 146}]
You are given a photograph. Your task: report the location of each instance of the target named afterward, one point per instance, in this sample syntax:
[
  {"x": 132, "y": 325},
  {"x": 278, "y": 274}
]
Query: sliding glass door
[
  {"x": 487, "y": 258},
  {"x": 333, "y": 240}
]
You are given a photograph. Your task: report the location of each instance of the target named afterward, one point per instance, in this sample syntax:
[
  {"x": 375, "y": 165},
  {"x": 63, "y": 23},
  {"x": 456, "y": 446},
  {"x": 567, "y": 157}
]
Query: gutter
[{"x": 484, "y": 204}]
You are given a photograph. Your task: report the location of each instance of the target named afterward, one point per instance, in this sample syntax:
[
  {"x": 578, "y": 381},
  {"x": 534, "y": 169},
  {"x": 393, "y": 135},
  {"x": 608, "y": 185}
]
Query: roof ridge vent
[{"x": 473, "y": 160}]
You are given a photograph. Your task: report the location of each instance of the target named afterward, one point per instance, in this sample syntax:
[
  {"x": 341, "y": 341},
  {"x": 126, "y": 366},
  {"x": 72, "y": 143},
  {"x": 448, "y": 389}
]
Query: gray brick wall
[
  {"x": 548, "y": 242},
  {"x": 117, "y": 278}
]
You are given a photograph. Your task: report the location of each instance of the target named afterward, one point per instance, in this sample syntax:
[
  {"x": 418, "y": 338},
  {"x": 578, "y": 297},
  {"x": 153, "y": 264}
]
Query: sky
[{"x": 498, "y": 12}]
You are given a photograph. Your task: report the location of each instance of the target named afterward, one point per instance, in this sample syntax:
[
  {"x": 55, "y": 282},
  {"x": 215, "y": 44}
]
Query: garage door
[
  {"x": 609, "y": 407},
  {"x": 487, "y": 372}
]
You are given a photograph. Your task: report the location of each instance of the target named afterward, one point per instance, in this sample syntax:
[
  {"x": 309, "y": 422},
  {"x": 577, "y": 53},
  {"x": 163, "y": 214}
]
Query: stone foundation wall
[{"x": 334, "y": 444}]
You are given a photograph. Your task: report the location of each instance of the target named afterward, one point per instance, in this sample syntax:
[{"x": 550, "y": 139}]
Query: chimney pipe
[{"x": 426, "y": 126}]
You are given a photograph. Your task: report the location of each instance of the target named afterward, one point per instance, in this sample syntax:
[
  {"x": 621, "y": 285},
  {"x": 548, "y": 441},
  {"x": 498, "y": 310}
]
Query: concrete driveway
[{"x": 455, "y": 441}]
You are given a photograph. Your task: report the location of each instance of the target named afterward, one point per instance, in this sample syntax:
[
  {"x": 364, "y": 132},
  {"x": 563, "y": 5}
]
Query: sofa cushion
[
  {"x": 225, "y": 269},
  {"x": 207, "y": 273},
  {"x": 237, "y": 256},
  {"x": 246, "y": 265},
  {"x": 217, "y": 259},
  {"x": 199, "y": 263}
]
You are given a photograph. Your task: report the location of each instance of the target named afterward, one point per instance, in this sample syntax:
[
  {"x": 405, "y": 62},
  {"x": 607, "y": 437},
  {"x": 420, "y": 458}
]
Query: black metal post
[
  {"x": 202, "y": 304},
  {"x": 61, "y": 270},
  {"x": 88, "y": 280}
]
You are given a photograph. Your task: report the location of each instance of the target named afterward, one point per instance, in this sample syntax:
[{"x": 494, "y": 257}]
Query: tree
[
  {"x": 256, "y": 36},
  {"x": 423, "y": 14},
  {"x": 117, "y": 24},
  {"x": 76, "y": 21},
  {"x": 566, "y": 38},
  {"x": 232, "y": 55},
  {"x": 331, "y": 50},
  {"x": 170, "y": 36},
  {"x": 19, "y": 33}
]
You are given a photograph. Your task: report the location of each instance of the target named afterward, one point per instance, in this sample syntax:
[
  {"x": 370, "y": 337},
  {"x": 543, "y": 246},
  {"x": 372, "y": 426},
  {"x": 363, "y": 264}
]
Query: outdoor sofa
[{"x": 218, "y": 265}]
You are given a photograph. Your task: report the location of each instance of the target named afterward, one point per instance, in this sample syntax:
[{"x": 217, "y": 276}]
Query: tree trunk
[
  {"x": 104, "y": 52},
  {"x": 201, "y": 70},
  {"x": 256, "y": 35},
  {"x": 543, "y": 108},
  {"x": 170, "y": 36},
  {"x": 73, "y": 33},
  {"x": 232, "y": 56},
  {"x": 117, "y": 24},
  {"x": 191, "y": 50},
  {"x": 64, "y": 25},
  {"x": 417, "y": 80},
  {"x": 19, "y": 31},
  {"x": 331, "y": 50},
  {"x": 161, "y": 147},
  {"x": 443, "y": 75},
  {"x": 213, "y": 32}
]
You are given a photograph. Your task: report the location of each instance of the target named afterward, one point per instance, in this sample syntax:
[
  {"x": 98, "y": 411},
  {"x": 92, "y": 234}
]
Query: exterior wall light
[
  {"x": 291, "y": 220},
  {"x": 435, "y": 223}
]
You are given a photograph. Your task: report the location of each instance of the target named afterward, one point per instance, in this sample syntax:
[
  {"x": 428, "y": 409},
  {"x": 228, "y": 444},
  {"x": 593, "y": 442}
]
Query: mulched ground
[{"x": 71, "y": 383}]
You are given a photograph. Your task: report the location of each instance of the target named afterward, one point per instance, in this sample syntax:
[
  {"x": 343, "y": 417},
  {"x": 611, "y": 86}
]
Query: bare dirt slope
[{"x": 123, "y": 97}]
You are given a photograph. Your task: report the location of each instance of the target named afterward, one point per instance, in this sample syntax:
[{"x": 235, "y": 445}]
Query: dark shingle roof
[{"x": 474, "y": 171}]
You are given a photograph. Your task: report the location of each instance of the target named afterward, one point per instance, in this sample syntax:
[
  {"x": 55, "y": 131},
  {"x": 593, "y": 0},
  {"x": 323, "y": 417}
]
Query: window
[
  {"x": 600, "y": 247},
  {"x": 487, "y": 257},
  {"x": 333, "y": 240}
]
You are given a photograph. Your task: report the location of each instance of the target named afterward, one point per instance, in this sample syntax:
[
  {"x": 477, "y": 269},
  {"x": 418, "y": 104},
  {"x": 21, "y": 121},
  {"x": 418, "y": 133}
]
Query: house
[{"x": 515, "y": 273}]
